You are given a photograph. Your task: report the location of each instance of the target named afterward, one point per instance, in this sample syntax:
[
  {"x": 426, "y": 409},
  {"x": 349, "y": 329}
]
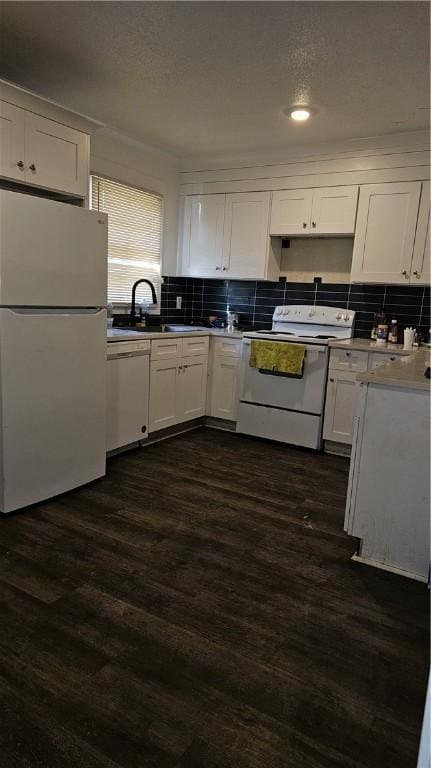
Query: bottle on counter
[
  {"x": 417, "y": 341},
  {"x": 393, "y": 333},
  {"x": 379, "y": 319}
]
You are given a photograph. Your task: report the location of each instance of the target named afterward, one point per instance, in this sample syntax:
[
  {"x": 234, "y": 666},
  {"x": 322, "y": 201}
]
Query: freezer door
[
  {"x": 53, "y": 403},
  {"x": 51, "y": 254}
]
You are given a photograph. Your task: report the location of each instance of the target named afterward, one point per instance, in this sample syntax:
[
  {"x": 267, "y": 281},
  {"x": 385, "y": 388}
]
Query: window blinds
[{"x": 134, "y": 236}]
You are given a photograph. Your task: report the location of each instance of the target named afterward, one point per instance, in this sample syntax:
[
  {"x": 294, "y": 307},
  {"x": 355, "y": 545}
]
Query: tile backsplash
[{"x": 255, "y": 301}]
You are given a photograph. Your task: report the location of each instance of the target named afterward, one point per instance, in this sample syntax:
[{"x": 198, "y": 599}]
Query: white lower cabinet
[
  {"x": 343, "y": 390},
  {"x": 341, "y": 403},
  {"x": 164, "y": 376},
  {"x": 178, "y": 385},
  {"x": 224, "y": 388},
  {"x": 191, "y": 397},
  {"x": 224, "y": 378}
]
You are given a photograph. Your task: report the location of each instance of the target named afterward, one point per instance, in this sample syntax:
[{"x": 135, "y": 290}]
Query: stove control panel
[{"x": 316, "y": 314}]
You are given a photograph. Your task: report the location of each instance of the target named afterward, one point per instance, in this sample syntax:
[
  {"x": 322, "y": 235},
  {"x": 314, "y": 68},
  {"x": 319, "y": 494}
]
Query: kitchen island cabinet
[{"x": 388, "y": 498}]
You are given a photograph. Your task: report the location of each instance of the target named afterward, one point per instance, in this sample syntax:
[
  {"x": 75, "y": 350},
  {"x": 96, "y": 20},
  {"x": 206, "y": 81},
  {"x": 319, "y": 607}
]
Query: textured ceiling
[{"x": 211, "y": 77}]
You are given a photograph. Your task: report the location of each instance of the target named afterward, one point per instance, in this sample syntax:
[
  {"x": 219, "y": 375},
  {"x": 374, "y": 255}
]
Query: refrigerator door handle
[{"x": 55, "y": 310}]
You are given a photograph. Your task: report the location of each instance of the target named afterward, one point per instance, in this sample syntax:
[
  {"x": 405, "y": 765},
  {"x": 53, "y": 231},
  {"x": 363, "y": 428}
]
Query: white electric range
[{"x": 285, "y": 408}]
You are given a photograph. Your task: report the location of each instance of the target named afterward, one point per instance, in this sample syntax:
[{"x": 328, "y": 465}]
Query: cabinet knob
[
  {"x": 331, "y": 380},
  {"x": 32, "y": 167},
  {"x": 347, "y": 354},
  {"x": 224, "y": 269},
  {"x": 405, "y": 273},
  {"x": 304, "y": 224},
  {"x": 313, "y": 223},
  {"x": 180, "y": 367},
  {"x": 217, "y": 268},
  {"x": 418, "y": 274},
  {"x": 20, "y": 164}
]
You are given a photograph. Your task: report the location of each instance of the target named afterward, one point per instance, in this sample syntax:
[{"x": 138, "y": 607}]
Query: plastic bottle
[{"x": 393, "y": 334}]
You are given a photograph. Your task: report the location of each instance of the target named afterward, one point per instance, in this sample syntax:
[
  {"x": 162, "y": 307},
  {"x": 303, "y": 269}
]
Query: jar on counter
[{"x": 382, "y": 333}]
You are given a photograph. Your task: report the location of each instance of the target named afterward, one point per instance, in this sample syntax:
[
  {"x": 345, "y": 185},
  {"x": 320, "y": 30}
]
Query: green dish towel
[{"x": 278, "y": 357}]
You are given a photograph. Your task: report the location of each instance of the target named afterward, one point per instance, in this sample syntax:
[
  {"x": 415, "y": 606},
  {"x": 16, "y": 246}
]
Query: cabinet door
[
  {"x": 291, "y": 212},
  {"x": 164, "y": 393},
  {"x": 334, "y": 210},
  {"x": 12, "y": 164},
  {"x": 202, "y": 248},
  {"x": 342, "y": 396},
  {"x": 192, "y": 387},
  {"x": 385, "y": 232},
  {"x": 56, "y": 155},
  {"x": 421, "y": 251},
  {"x": 246, "y": 238},
  {"x": 224, "y": 387}
]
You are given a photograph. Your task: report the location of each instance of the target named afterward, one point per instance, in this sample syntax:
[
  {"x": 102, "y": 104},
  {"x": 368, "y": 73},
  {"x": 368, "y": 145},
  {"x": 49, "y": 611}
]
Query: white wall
[
  {"x": 131, "y": 162},
  {"x": 402, "y": 157}
]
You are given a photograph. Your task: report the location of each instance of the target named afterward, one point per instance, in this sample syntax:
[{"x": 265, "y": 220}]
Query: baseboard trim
[
  {"x": 338, "y": 449},
  {"x": 224, "y": 424},
  {"x": 390, "y": 568}
]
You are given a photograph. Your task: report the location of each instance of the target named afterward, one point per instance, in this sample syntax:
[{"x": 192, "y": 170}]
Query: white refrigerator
[{"x": 53, "y": 272}]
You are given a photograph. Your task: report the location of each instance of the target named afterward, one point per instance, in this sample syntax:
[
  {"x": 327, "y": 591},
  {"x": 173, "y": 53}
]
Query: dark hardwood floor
[{"x": 198, "y": 608}]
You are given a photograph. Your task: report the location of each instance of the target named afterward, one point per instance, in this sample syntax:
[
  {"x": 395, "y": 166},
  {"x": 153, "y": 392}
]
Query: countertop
[
  {"x": 122, "y": 334},
  {"x": 407, "y": 372},
  {"x": 368, "y": 345}
]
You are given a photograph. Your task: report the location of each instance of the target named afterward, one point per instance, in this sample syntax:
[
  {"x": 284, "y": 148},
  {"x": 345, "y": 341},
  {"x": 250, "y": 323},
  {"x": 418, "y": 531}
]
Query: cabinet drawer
[
  {"x": 348, "y": 360},
  {"x": 165, "y": 349},
  {"x": 195, "y": 345},
  {"x": 380, "y": 358},
  {"x": 227, "y": 347}
]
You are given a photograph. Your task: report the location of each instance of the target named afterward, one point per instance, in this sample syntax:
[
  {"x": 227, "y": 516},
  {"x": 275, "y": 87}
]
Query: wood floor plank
[{"x": 198, "y": 608}]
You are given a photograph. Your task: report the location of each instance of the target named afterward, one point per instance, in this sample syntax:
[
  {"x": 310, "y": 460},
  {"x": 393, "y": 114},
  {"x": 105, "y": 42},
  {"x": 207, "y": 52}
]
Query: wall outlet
[{"x": 179, "y": 302}]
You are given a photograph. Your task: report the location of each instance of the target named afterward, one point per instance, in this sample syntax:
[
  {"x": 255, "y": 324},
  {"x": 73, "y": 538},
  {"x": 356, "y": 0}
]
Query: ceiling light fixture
[{"x": 300, "y": 115}]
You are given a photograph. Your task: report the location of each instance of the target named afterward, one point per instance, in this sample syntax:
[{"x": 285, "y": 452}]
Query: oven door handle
[{"x": 308, "y": 347}]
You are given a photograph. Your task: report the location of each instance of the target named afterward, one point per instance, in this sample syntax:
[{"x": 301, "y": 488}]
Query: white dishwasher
[{"x": 128, "y": 392}]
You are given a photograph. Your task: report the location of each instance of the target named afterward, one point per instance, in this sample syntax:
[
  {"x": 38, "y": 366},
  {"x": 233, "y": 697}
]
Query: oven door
[{"x": 305, "y": 395}]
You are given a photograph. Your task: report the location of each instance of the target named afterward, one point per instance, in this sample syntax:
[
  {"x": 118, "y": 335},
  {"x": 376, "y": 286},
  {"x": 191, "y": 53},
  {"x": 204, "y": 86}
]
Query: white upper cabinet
[
  {"x": 246, "y": 240},
  {"x": 421, "y": 251},
  {"x": 334, "y": 210},
  {"x": 42, "y": 152},
  {"x": 12, "y": 164},
  {"x": 291, "y": 212},
  {"x": 202, "y": 246},
  {"x": 320, "y": 211},
  {"x": 228, "y": 236},
  {"x": 385, "y": 233},
  {"x": 57, "y": 156}
]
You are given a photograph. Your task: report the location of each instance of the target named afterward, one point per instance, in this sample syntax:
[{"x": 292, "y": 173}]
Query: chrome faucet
[{"x": 133, "y": 306}]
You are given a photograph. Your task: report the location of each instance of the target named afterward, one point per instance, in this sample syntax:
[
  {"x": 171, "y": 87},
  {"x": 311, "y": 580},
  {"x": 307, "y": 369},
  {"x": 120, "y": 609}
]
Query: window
[{"x": 134, "y": 236}]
